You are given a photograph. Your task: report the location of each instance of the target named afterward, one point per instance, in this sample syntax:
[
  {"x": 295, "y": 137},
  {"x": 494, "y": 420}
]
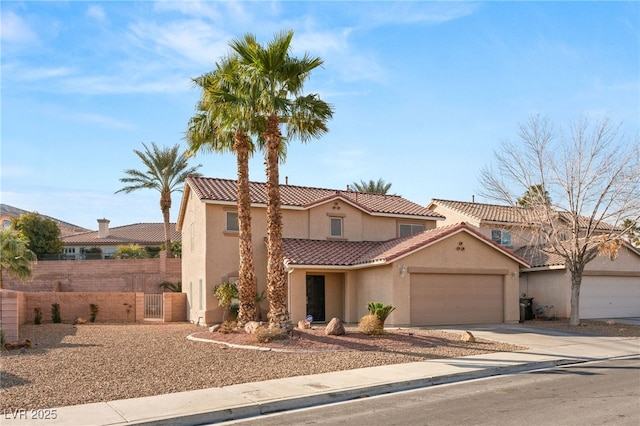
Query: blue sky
[{"x": 423, "y": 92}]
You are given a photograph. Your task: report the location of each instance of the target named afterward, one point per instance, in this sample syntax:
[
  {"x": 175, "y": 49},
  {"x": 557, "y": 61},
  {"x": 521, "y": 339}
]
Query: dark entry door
[{"x": 315, "y": 297}]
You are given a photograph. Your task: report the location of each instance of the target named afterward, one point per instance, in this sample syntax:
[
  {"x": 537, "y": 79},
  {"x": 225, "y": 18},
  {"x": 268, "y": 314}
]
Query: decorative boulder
[
  {"x": 304, "y": 324},
  {"x": 214, "y": 328},
  {"x": 610, "y": 322},
  {"x": 468, "y": 337},
  {"x": 80, "y": 320},
  {"x": 335, "y": 328},
  {"x": 251, "y": 327}
]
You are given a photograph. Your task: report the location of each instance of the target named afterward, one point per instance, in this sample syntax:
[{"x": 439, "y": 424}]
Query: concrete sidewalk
[{"x": 546, "y": 348}]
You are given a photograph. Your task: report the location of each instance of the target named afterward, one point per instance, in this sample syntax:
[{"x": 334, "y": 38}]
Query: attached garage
[
  {"x": 609, "y": 297},
  {"x": 438, "y": 299}
]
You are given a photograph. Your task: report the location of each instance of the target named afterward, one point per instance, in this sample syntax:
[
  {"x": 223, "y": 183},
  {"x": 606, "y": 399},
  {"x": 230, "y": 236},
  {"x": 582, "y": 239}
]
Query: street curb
[{"x": 275, "y": 406}]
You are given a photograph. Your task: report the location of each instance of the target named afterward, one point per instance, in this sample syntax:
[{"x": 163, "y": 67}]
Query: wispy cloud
[
  {"x": 15, "y": 29},
  {"x": 97, "y": 13}
]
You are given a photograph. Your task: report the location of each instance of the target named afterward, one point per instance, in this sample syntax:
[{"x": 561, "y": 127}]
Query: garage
[
  {"x": 439, "y": 299},
  {"x": 609, "y": 297}
]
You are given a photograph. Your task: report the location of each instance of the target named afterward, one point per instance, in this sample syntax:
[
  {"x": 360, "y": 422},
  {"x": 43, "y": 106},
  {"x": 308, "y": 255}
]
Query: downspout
[{"x": 289, "y": 270}]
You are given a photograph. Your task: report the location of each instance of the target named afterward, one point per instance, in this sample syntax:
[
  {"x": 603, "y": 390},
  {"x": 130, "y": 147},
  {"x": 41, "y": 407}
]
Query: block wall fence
[
  {"x": 107, "y": 275},
  {"x": 18, "y": 308}
]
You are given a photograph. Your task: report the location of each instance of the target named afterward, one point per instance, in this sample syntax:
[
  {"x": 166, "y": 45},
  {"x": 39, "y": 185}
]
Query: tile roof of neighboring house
[
  {"x": 224, "y": 190},
  {"x": 137, "y": 233},
  {"x": 66, "y": 228},
  {"x": 539, "y": 258},
  {"x": 362, "y": 253},
  {"x": 506, "y": 214}
]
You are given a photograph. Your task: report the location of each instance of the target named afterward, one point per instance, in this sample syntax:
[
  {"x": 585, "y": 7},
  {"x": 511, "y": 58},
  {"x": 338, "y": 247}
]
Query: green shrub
[
  {"x": 1, "y": 337},
  {"x": 370, "y": 324},
  {"x": 38, "y": 316},
  {"x": 94, "y": 312},
  {"x": 225, "y": 293},
  {"x": 130, "y": 251},
  {"x": 55, "y": 313},
  {"x": 266, "y": 335},
  {"x": 174, "y": 287}
]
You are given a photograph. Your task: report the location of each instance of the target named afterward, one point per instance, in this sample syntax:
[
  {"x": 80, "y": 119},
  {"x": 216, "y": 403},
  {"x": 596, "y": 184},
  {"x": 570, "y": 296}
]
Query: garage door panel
[
  {"x": 438, "y": 299},
  {"x": 609, "y": 297}
]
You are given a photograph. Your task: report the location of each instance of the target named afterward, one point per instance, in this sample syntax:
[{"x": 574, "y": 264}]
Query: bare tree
[{"x": 591, "y": 170}]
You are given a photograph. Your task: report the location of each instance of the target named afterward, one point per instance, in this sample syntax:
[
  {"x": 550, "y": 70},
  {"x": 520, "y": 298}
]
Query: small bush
[
  {"x": 174, "y": 287},
  {"x": 266, "y": 335},
  {"x": 228, "y": 327},
  {"x": 371, "y": 325},
  {"x": 1, "y": 337},
  {"x": 94, "y": 312},
  {"x": 38, "y": 316},
  {"x": 55, "y": 313}
]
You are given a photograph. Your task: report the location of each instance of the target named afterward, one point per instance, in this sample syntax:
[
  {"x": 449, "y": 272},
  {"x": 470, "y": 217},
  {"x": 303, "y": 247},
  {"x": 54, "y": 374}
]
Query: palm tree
[
  {"x": 222, "y": 122},
  {"x": 379, "y": 187},
  {"x": 166, "y": 172},
  {"x": 278, "y": 79},
  {"x": 15, "y": 256}
]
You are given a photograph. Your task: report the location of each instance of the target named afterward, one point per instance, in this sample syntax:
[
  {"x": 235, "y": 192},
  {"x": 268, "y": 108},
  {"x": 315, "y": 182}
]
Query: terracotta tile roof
[
  {"x": 137, "y": 233},
  {"x": 354, "y": 253},
  {"x": 507, "y": 214},
  {"x": 224, "y": 190},
  {"x": 539, "y": 258},
  {"x": 483, "y": 212},
  {"x": 66, "y": 228}
]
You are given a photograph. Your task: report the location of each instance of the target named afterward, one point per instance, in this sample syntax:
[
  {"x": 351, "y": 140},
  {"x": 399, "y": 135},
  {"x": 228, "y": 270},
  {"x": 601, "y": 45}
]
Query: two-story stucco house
[
  {"x": 610, "y": 287},
  {"x": 343, "y": 249}
]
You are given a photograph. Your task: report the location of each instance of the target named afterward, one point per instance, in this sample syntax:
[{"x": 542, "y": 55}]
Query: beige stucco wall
[
  {"x": 478, "y": 257},
  {"x": 553, "y": 287}
]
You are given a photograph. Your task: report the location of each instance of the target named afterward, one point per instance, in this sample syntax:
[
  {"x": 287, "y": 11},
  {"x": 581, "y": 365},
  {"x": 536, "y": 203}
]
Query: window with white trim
[
  {"x": 405, "y": 229},
  {"x": 335, "y": 226},
  {"x": 501, "y": 237},
  {"x": 232, "y": 222}
]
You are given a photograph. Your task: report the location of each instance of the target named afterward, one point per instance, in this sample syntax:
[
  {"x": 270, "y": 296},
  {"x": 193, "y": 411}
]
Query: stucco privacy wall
[
  {"x": 109, "y": 275},
  {"x": 19, "y": 308}
]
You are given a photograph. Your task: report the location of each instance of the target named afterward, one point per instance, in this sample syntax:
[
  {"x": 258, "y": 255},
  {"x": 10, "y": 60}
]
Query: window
[
  {"x": 6, "y": 223},
  {"x": 405, "y": 229},
  {"x": 501, "y": 237},
  {"x": 336, "y": 227},
  {"x": 232, "y": 222},
  {"x": 70, "y": 250}
]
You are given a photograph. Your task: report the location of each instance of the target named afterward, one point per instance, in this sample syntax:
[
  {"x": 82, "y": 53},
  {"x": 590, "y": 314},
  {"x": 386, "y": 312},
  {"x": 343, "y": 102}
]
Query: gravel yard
[{"x": 71, "y": 365}]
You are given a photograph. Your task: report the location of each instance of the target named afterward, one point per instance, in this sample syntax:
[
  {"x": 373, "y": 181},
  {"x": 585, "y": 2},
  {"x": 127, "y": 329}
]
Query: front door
[{"x": 315, "y": 297}]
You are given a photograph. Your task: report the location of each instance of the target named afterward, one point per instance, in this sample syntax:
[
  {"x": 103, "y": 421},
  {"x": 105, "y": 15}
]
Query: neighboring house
[
  {"x": 343, "y": 249},
  {"x": 609, "y": 289},
  {"x": 8, "y": 212},
  {"x": 108, "y": 239}
]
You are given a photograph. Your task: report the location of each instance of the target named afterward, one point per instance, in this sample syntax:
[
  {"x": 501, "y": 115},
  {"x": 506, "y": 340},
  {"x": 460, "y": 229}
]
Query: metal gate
[{"x": 153, "y": 306}]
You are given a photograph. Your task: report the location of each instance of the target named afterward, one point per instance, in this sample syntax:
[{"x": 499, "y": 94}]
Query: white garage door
[
  {"x": 609, "y": 297},
  {"x": 439, "y": 299}
]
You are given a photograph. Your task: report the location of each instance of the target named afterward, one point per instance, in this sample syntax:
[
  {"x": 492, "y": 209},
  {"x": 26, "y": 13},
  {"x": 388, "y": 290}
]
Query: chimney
[
  {"x": 103, "y": 228},
  {"x": 286, "y": 180}
]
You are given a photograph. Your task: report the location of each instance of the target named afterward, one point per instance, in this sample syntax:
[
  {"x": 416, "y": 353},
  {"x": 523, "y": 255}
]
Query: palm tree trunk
[
  {"x": 276, "y": 274},
  {"x": 165, "y": 206},
  {"x": 247, "y": 287}
]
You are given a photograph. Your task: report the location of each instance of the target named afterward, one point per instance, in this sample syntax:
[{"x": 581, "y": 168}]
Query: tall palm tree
[
  {"x": 221, "y": 124},
  {"x": 279, "y": 79},
  {"x": 167, "y": 169},
  {"x": 373, "y": 187},
  {"x": 15, "y": 256}
]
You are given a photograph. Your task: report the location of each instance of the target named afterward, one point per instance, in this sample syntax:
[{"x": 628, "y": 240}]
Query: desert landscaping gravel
[{"x": 71, "y": 364}]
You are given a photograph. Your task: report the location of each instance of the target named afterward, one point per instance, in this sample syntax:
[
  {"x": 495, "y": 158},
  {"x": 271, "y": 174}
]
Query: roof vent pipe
[{"x": 103, "y": 228}]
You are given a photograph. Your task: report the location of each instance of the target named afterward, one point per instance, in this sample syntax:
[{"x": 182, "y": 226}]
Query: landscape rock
[
  {"x": 80, "y": 320},
  {"x": 335, "y": 328},
  {"x": 467, "y": 336},
  {"x": 214, "y": 328},
  {"x": 610, "y": 322},
  {"x": 304, "y": 325},
  {"x": 251, "y": 327}
]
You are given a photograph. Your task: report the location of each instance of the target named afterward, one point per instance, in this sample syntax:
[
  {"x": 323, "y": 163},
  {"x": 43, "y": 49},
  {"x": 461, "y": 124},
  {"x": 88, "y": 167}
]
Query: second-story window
[
  {"x": 232, "y": 222},
  {"x": 501, "y": 237},
  {"x": 336, "y": 227},
  {"x": 405, "y": 229}
]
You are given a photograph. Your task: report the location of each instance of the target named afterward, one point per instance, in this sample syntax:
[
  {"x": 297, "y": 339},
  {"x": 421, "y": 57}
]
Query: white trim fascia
[{"x": 544, "y": 268}]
